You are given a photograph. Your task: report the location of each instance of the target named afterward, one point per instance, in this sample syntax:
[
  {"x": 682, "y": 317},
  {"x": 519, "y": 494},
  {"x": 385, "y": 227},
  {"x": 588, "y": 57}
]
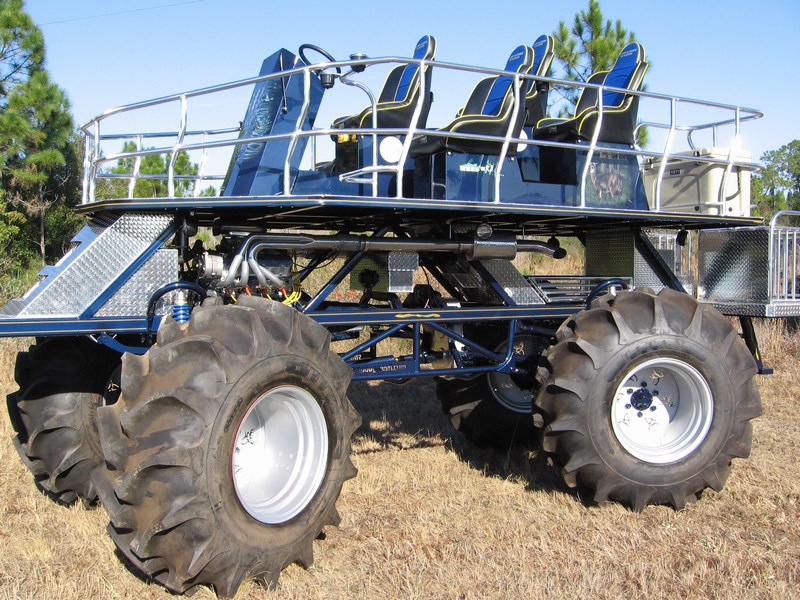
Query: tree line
[
  {"x": 41, "y": 154},
  {"x": 39, "y": 148},
  {"x": 777, "y": 186},
  {"x": 41, "y": 151}
]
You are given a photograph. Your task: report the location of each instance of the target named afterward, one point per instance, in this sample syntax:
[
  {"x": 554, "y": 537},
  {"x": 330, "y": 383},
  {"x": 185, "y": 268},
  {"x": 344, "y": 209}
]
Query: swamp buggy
[{"x": 195, "y": 344}]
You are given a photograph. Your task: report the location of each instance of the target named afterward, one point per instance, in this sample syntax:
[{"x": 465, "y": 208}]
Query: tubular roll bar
[{"x": 183, "y": 138}]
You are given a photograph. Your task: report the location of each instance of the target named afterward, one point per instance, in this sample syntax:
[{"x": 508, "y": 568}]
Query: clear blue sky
[{"x": 106, "y": 53}]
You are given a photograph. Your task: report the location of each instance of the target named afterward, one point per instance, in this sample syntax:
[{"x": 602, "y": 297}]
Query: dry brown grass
[{"x": 429, "y": 517}]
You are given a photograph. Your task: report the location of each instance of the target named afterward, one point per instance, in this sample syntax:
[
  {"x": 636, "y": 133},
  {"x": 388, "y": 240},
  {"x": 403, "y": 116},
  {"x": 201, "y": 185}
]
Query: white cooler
[{"x": 693, "y": 186}]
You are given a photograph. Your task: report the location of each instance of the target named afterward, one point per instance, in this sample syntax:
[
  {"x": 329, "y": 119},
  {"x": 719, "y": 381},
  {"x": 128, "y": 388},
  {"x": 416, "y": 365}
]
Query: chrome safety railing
[
  {"x": 784, "y": 253},
  {"x": 111, "y": 155}
]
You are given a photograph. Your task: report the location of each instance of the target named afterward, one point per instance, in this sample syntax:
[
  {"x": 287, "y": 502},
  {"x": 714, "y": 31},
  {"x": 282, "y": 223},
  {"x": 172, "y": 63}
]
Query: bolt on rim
[
  {"x": 280, "y": 454},
  {"x": 662, "y": 411}
]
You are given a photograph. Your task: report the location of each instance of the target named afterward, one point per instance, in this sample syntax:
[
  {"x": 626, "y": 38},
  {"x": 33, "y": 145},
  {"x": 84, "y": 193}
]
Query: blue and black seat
[
  {"x": 536, "y": 97},
  {"x": 619, "y": 109},
  {"x": 399, "y": 95},
  {"x": 488, "y": 112}
]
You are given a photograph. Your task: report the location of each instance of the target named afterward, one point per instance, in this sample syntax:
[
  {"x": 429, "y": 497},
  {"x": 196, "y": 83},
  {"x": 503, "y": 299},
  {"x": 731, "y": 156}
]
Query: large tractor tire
[
  {"x": 228, "y": 448},
  {"x": 62, "y": 381},
  {"x": 494, "y": 409},
  {"x": 648, "y": 398}
]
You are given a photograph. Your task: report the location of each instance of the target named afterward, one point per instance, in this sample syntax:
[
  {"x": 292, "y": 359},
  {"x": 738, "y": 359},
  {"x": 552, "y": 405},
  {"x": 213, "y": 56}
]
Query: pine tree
[
  {"x": 36, "y": 132},
  {"x": 777, "y": 186},
  {"x": 591, "y": 44},
  {"x": 156, "y": 167}
]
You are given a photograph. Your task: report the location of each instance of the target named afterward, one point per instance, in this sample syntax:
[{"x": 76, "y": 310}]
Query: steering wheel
[{"x": 318, "y": 50}]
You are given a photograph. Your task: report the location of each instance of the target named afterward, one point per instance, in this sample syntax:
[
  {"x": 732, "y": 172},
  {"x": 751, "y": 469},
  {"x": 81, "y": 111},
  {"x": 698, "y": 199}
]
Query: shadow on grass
[{"x": 410, "y": 416}]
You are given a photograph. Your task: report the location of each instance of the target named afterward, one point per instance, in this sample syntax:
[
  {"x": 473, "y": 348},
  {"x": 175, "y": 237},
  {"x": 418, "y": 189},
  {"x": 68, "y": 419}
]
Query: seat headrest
[
  {"x": 425, "y": 49},
  {"x": 542, "y": 54},
  {"x": 519, "y": 61},
  {"x": 624, "y": 74}
]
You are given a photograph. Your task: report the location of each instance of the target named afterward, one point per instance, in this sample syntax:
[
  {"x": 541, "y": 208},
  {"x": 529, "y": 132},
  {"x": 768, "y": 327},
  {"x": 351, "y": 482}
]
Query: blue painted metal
[
  {"x": 74, "y": 326},
  {"x": 342, "y": 316},
  {"x": 276, "y": 108},
  {"x": 602, "y": 287},
  {"x": 540, "y": 189},
  {"x": 355, "y": 353},
  {"x": 471, "y": 344},
  {"x": 338, "y": 277},
  {"x": 163, "y": 291},
  {"x": 115, "y": 344},
  {"x": 181, "y": 312},
  {"x": 390, "y": 367}
]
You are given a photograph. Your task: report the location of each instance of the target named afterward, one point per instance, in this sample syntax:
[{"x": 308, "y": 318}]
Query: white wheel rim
[
  {"x": 502, "y": 385},
  {"x": 662, "y": 411},
  {"x": 280, "y": 454}
]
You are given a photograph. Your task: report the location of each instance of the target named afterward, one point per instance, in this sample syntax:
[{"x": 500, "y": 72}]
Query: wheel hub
[
  {"x": 515, "y": 391},
  {"x": 280, "y": 454},
  {"x": 641, "y": 399},
  {"x": 662, "y": 410}
]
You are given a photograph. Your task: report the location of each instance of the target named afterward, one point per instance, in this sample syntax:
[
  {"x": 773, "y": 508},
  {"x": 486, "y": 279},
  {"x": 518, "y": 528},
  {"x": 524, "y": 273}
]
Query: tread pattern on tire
[
  {"x": 159, "y": 485},
  {"x": 61, "y": 383},
  {"x": 592, "y": 339},
  {"x": 486, "y": 422}
]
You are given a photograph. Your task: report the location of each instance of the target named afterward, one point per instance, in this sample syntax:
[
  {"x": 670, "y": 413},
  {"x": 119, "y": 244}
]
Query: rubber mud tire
[
  {"x": 62, "y": 381},
  {"x": 488, "y": 424},
  {"x": 171, "y": 440},
  {"x": 474, "y": 404},
  {"x": 601, "y": 352}
]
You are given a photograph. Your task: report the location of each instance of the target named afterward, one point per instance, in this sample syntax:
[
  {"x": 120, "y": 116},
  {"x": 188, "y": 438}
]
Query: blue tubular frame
[
  {"x": 409, "y": 323},
  {"x": 390, "y": 367},
  {"x": 345, "y": 316},
  {"x": 270, "y": 187},
  {"x": 338, "y": 277},
  {"x": 61, "y": 326}
]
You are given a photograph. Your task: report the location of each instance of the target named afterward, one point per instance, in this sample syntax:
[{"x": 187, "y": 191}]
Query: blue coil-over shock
[{"x": 180, "y": 309}]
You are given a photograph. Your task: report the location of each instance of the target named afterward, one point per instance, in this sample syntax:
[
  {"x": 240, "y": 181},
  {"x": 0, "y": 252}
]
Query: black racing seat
[
  {"x": 399, "y": 95},
  {"x": 536, "y": 98},
  {"x": 488, "y": 111},
  {"x": 619, "y": 109}
]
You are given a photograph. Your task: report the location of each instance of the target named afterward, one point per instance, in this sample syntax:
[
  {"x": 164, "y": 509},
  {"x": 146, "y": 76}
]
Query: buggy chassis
[{"x": 420, "y": 256}]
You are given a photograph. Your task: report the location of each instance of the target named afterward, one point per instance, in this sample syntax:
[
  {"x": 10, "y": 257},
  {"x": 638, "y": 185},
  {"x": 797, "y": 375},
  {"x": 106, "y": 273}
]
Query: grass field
[{"x": 431, "y": 517}]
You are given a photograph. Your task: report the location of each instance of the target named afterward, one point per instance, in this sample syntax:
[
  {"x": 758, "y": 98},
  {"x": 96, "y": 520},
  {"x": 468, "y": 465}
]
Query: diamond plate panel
[
  {"x": 733, "y": 265},
  {"x": 779, "y": 310},
  {"x": 609, "y": 253},
  {"x": 132, "y": 298},
  {"x": 466, "y": 281},
  {"x": 473, "y": 287},
  {"x": 677, "y": 257},
  {"x": 375, "y": 263},
  {"x": 613, "y": 253},
  {"x": 514, "y": 284},
  {"x": 402, "y": 266},
  {"x": 643, "y": 275},
  {"x": 71, "y": 286},
  {"x": 12, "y": 308}
]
